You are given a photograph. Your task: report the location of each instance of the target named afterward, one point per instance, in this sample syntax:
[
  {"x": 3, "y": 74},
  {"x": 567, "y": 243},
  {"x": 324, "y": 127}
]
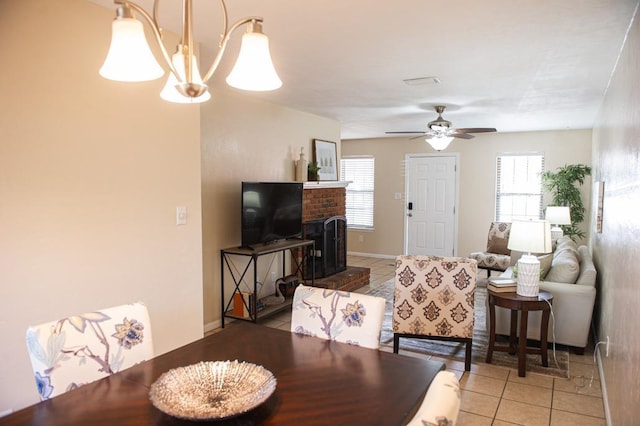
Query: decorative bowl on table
[{"x": 212, "y": 390}]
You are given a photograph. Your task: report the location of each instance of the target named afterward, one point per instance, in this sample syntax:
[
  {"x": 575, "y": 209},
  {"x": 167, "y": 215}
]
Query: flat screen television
[{"x": 271, "y": 211}]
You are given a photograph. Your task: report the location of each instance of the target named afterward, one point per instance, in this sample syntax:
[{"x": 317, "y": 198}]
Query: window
[
  {"x": 519, "y": 187},
  {"x": 359, "y": 194}
]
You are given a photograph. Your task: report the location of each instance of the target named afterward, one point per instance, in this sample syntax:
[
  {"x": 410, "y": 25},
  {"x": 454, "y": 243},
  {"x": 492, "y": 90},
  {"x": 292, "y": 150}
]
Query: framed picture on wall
[{"x": 325, "y": 154}]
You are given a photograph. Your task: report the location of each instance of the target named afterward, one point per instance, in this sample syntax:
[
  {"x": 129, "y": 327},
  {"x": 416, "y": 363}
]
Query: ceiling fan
[{"x": 441, "y": 128}]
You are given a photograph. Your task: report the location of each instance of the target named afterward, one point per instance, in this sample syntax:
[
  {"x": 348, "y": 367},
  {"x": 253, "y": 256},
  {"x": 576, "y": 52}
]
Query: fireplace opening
[{"x": 330, "y": 236}]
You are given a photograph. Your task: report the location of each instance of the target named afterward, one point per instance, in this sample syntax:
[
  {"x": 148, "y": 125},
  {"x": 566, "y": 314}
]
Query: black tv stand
[{"x": 301, "y": 251}]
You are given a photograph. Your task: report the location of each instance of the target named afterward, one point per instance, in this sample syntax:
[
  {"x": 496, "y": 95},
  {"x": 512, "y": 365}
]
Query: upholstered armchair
[
  {"x": 342, "y": 316},
  {"x": 497, "y": 257},
  {"x": 73, "y": 351},
  {"x": 434, "y": 299}
]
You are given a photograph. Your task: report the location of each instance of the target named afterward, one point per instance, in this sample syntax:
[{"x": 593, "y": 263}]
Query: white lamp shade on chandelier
[
  {"x": 439, "y": 142},
  {"x": 529, "y": 237},
  {"x": 130, "y": 59},
  {"x": 170, "y": 92},
  {"x": 254, "y": 69},
  {"x": 557, "y": 215}
]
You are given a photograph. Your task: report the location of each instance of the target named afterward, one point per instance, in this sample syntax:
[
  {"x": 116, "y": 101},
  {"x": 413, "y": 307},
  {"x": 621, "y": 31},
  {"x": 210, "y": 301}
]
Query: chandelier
[{"x": 130, "y": 59}]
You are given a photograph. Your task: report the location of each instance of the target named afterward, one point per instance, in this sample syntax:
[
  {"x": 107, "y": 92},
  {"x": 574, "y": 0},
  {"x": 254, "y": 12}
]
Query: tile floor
[{"x": 494, "y": 395}]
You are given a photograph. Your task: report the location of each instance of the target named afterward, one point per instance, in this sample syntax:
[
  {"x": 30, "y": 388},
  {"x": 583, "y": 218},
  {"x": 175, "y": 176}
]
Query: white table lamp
[
  {"x": 557, "y": 215},
  {"x": 530, "y": 237}
]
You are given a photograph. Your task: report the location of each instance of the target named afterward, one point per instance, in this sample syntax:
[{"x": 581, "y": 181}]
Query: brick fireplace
[
  {"x": 320, "y": 202},
  {"x": 324, "y": 203}
]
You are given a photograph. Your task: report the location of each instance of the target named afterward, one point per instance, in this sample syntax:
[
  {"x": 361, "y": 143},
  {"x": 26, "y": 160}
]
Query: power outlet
[
  {"x": 273, "y": 276},
  {"x": 606, "y": 350}
]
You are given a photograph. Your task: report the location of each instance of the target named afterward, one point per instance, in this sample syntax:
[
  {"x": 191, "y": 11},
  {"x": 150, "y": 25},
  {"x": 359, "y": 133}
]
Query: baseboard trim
[
  {"x": 210, "y": 326},
  {"x": 374, "y": 255},
  {"x": 603, "y": 386}
]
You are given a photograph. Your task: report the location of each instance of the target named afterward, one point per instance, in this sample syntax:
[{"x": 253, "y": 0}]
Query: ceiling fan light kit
[
  {"x": 130, "y": 59},
  {"x": 439, "y": 143},
  {"x": 440, "y": 132}
]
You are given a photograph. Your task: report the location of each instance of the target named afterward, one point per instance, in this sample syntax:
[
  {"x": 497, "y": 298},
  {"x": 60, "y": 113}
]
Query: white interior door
[{"x": 430, "y": 205}]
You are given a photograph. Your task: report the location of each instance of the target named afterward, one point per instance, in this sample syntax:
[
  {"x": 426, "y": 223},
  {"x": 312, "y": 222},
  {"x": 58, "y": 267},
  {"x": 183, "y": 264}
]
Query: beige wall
[
  {"x": 616, "y": 144},
  {"x": 477, "y": 181},
  {"x": 91, "y": 172},
  {"x": 245, "y": 140}
]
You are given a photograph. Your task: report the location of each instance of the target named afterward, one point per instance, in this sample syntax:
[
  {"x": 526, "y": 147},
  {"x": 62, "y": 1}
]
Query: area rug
[{"x": 558, "y": 367}]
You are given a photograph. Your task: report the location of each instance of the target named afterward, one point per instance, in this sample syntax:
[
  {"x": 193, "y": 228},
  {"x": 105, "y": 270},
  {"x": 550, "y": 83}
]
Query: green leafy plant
[
  {"x": 312, "y": 170},
  {"x": 564, "y": 184}
]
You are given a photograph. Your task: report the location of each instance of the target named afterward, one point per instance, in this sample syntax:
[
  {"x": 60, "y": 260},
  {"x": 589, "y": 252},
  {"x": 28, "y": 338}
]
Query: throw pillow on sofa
[
  {"x": 545, "y": 265},
  {"x": 565, "y": 267}
]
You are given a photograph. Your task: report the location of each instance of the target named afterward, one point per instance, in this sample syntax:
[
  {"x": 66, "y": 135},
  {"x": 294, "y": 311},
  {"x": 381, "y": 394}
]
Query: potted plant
[
  {"x": 563, "y": 184},
  {"x": 312, "y": 170}
]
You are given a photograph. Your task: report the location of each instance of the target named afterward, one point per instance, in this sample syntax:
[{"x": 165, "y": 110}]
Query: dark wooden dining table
[{"x": 319, "y": 382}]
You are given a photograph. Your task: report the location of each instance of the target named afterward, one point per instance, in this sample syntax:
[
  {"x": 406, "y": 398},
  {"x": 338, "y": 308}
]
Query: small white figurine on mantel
[{"x": 301, "y": 167}]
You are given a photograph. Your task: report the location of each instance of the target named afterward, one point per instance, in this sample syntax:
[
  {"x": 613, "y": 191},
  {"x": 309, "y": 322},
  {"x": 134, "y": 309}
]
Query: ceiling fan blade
[
  {"x": 460, "y": 135},
  {"x": 476, "y": 130},
  {"x": 403, "y": 133},
  {"x": 422, "y": 136}
]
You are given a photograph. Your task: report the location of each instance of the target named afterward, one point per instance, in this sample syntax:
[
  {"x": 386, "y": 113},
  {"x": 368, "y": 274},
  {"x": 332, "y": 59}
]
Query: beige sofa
[{"x": 571, "y": 278}]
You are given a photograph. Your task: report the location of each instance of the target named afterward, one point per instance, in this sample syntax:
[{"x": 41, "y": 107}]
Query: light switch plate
[{"x": 181, "y": 215}]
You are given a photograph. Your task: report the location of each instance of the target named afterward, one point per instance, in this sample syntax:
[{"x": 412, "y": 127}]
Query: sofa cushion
[
  {"x": 566, "y": 240},
  {"x": 561, "y": 250},
  {"x": 587, "y": 268},
  {"x": 565, "y": 267}
]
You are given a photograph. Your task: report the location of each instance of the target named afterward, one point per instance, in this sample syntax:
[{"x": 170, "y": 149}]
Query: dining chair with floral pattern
[
  {"x": 342, "y": 316},
  {"x": 76, "y": 350},
  {"x": 441, "y": 404}
]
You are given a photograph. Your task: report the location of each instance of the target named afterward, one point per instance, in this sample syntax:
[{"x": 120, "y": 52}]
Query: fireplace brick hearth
[
  {"x": 322, "y": 202},
  {"x": 350, "y": 279}
]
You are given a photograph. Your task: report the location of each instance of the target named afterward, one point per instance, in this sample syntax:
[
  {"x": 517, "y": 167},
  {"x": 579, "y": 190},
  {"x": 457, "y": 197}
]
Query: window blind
[
  {"x": 519, "y": 187},
  {"x": 359, "y": 193}
]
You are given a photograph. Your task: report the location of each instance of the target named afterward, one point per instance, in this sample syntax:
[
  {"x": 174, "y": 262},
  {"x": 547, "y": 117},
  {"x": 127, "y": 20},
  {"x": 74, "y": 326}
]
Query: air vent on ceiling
[{"x": 421, "y": 81}]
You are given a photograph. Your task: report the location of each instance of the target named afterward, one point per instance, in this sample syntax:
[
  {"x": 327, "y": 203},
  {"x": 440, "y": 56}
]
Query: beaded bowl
[{"x": 212, "y": 390}]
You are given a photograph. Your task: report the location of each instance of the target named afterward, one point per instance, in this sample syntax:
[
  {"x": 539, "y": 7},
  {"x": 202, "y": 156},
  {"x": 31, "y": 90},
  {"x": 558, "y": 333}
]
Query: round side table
[{"x": 515, "y": 303}]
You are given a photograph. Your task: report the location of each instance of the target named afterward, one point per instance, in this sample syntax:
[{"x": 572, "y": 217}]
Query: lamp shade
[
  {"x": 533, "y": 236},
  {"x": 129, "y": 57},
  {"x": 439, "y": 142},
  {"x": 171, "y": 94},
  {"x": 558, "y": 215},
  {"x": 254, "y": 69}
]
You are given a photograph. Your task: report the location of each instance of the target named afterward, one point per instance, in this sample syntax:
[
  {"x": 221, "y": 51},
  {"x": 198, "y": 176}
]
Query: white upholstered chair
[
  {"x": 441, "y": 404},
  {"x": 434, "y": 298},
  {"x": 338, "y": 315},
  {"x": 77, "y": 350}
]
